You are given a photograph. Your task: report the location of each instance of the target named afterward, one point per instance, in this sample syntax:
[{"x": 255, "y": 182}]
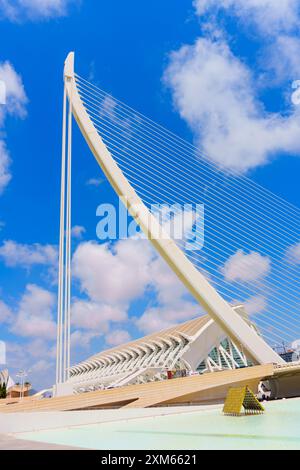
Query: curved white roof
[{"x": 183, "y": 346}]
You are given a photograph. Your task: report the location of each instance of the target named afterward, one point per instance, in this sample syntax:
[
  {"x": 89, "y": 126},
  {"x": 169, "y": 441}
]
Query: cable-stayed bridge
[{"x": 251, "y": 249}]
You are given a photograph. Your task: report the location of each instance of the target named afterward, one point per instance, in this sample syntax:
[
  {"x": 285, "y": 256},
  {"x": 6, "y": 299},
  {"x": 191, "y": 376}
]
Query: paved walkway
[{"x": 8, "y": 442}]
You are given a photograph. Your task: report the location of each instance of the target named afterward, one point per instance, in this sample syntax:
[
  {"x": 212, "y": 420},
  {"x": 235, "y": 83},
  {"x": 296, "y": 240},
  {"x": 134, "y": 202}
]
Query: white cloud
[
  {"x": 182, "y": 223},
  {"x": 17, "y": 254},
  {"x": 5, "y": 175},
  {"x": 113, "y": 274},
  {"x": 256, "y": 305},
  {"x": 246, "y": 267},
  {"x": 215, "y": 93},
  {"x": 18, "y": 10},
  {"x": 281, "y": 57},
  {"x": 117, "y": 337},
  {"x": 5, "y": 313},
  {"x": 296, "y": 344},
  {"x": 16, "y": 98},
  {"x": 41, "y": 366},
  {"x": 96, "y": 316},
  {"x": 269, "y": 16},
  {"x": 165, "y": 316},
  {"x": 95, "y": 182},
  {"x": 34, "y": 317},
  {"x": 168, "y": 287},
  {"x": 82, "y": 339},
  {"x": 41, "y": 348},
  {"x": 78, "y": 231},
  {"x": 293, "y": 254},
  {"x": 14, "y": 104},
  {"x": 108, "y": 108},
  {"x": 37, "y": 357},
  {"x": 277, "y": 22}
]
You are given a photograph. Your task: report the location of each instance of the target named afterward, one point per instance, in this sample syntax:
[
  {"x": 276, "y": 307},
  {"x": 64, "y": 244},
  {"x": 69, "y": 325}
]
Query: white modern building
[
  {"x": 198, "y": 345},
  {"x": 5, "y": 379}
]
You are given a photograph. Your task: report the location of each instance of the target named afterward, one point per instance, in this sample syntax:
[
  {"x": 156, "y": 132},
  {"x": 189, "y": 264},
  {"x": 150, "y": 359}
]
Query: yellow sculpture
[{"x": 242, "y": 401}]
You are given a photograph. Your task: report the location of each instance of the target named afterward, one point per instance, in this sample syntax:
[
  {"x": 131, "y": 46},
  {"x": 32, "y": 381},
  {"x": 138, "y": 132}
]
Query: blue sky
[{"x": 151, "y": 56}]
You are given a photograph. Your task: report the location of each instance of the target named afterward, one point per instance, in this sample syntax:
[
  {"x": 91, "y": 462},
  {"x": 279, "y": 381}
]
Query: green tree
[{"x": 3, "y": 392}]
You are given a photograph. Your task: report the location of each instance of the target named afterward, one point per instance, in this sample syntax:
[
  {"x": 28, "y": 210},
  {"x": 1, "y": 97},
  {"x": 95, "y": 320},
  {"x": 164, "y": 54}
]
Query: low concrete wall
[{"x": 30, "y": 422}]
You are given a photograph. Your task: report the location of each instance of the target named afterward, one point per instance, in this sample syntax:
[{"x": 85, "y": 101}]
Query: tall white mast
[{"x": 64, "y": 269}]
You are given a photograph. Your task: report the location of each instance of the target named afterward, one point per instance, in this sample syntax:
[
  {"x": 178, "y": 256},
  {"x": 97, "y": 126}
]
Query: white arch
[{"x": 230, "y": 321}]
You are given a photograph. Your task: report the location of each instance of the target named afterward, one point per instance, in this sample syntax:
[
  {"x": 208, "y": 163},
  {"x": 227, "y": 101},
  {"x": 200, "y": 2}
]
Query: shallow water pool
[{"x": 278, "y": 428}]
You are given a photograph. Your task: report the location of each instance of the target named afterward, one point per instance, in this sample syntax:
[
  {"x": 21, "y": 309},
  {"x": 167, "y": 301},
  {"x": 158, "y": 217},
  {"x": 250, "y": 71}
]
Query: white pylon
[{"x": 64, "y": 269}]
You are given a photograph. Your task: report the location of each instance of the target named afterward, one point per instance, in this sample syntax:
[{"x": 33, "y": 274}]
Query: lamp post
[{"x": 22, "y": 374}]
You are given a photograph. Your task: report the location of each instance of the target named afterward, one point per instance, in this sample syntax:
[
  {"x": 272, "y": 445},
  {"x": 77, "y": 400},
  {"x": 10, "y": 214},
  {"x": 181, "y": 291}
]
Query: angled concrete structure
[{"x": 189, "y": 390}]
